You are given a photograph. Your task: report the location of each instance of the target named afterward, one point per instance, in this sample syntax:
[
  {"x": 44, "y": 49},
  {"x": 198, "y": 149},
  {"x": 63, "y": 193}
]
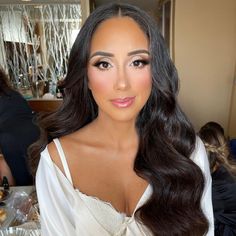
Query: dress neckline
[
  {"x": 139, "y": 203},
  {"x": 68, "y": 178}
]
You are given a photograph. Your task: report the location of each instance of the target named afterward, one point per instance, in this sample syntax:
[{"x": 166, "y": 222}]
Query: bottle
[
  {"x": 5, "y": 183},
  {"x": 58, "y": 94}
]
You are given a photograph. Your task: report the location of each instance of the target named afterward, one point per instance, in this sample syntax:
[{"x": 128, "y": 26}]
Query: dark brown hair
[
  {"x": 4, "y": 83},
  {"x": 167, "y": 138}
]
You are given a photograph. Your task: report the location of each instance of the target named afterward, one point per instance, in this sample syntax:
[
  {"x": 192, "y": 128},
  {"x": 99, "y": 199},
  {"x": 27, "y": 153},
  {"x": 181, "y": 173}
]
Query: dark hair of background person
[
  {"x": 4, "y": 83},
  {"x": 216, "y": 126},
  {"x": 217, "y": 146},
  {"x": 167, "y": 138}
]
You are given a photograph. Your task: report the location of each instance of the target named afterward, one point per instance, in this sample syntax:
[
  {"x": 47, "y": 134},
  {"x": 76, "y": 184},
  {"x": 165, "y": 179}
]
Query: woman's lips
[{"x": 123, "y": 102}]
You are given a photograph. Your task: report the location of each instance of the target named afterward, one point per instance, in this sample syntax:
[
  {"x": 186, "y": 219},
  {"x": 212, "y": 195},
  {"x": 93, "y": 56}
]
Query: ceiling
[
  {"x": 148, "y": 5},
  {"x": 6, "y": 2},
  {"x": 151, "y": 6}
]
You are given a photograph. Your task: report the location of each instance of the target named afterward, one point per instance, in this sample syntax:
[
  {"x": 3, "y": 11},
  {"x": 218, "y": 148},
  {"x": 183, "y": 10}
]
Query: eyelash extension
[
  {"x": 98, "y": 64},
  {"x": 143, "y": 61}
]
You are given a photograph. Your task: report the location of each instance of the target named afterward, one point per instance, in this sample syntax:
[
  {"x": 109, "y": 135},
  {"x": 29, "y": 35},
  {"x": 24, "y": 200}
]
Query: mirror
[
  {"x": 35, "y": 39},
  {"x": 35, "y": 43}
]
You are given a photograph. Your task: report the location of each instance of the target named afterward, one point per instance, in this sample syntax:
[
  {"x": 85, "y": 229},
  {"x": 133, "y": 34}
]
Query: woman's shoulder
[
  {"x": 16, "y": 104},
  {"x": 222, "y": 175},
  {"x": 54, "y": 151},
  {"x": 64, "y": 148},
  {"x": 12, "y": 94}
]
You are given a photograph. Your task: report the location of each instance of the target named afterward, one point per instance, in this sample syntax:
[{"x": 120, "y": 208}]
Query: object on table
[
  {"x": 12, "y": 231},
  {"x": 4, "y": 194},
  {"x": 3, "y": 215},
  {"x": 5, "y": 183}
]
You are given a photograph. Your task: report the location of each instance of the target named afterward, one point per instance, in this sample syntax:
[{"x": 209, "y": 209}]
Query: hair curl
[
  {"x": 217, "y": 146},
  {"x": 167, "y": 138}
]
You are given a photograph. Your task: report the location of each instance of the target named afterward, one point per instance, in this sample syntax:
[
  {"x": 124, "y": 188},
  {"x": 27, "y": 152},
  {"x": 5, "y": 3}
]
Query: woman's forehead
[{"x": 119, "y": 31}]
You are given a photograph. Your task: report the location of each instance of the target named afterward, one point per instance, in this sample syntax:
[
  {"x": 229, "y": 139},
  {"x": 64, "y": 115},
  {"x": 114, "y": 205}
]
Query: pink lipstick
[{"x": 123, "y": 102}]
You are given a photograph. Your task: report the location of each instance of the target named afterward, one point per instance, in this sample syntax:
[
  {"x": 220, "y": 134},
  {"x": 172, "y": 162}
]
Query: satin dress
[{"x": 66, "y": 211}]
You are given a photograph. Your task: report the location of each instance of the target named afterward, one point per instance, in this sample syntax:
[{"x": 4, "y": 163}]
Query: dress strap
[{"x": 63, "y": 159}]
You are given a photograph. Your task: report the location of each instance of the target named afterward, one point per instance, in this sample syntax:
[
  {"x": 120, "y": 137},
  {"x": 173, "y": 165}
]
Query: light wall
[
  {"x": 205, "y": 56},
  {"x": 232, "y": 117}
]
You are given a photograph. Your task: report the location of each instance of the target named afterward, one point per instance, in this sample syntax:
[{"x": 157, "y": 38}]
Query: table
[
  {"x": 27, "y": 189},
  {"x": 44, "y": 105},
  {"x": 22, "y": 200}
]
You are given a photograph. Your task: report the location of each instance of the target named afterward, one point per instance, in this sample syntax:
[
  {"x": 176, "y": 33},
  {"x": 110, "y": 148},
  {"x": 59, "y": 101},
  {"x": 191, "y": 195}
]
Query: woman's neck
[{"x": 118, "y": 134}]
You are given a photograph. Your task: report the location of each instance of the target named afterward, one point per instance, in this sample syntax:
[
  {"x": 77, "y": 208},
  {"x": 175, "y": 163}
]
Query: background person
[
  {"x": 17, "y": 132},
  {"x": 223, "y": 171},
  {"x": 5, "y": 171}
]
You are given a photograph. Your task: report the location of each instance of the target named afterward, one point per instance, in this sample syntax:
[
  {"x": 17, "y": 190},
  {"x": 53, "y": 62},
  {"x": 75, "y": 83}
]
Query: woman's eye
[
  {"x": 140, "y": 63},
  {"x": 103, "y": 65}
]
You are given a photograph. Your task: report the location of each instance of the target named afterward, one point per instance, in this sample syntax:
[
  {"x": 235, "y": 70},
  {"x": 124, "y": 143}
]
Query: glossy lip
[{"x": 123, "y": 102}]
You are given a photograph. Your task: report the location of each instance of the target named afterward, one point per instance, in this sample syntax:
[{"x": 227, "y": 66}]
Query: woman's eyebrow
[
  {"x": 107, "y": 54},
  {"x": 101, "y": 53},
  {"x": 138, "y": 52}
]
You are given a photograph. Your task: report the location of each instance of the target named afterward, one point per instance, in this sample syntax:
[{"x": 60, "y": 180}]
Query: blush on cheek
[
  {"x": 97, "y": 81},
  {"x": 146, "y": 82},
  {"x": 142, "y": 81}
]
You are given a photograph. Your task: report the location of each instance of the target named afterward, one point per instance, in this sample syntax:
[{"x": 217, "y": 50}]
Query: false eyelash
[
  {"x": 143, "y": 61},
  {"x": 97, "y": 64}
]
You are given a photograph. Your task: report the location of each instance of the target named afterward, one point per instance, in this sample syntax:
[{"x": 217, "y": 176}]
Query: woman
[
  {"x": 17, "y": 132},
  {"x": 223, "y": 171},
  {"x": 120, "y": 163}
]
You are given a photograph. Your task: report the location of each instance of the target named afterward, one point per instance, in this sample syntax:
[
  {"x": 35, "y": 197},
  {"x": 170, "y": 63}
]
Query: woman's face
[{"x": 119, "y": 69}]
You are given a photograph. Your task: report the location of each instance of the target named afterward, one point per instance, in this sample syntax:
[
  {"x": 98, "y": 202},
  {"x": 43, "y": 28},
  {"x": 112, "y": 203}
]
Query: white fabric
[
  {"x": 199, "y": 156},
  {"x": 65, "y": 211},
  {"x": 63, "y": 159}
]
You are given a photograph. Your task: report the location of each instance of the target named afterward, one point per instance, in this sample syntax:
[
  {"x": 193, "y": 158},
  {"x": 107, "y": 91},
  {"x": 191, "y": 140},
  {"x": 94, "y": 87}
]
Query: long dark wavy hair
[{"x": 167, "y": 138}]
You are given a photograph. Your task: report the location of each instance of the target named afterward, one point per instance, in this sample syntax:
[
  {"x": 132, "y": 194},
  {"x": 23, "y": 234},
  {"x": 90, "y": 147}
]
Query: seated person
[
  {"x": 5, "y": 171},
  {"x": 17, "y": 132},
  {"x": 233, "y": 147},
  {"x": 223, "y": 171}
]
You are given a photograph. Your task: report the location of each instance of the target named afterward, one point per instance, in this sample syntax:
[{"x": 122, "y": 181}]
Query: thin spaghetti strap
[{"x": 63, "y": 159}]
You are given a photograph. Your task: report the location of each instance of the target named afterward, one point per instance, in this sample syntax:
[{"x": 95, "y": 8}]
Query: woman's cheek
[
  {"x": 98, "y": 81},
  {"x": 142, "y": 80}
]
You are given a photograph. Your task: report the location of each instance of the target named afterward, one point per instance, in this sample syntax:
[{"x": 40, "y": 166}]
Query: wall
[
  {"x": 205, "y": 46},
  {"x": 232, "y": 117}
]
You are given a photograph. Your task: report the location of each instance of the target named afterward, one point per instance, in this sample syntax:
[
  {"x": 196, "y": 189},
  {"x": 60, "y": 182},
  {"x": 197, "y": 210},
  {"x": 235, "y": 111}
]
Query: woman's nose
[{"x": 122, "y": 80}]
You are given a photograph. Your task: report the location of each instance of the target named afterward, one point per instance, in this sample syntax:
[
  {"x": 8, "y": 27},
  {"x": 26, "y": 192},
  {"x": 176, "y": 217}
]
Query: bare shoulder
[
  {"x": 69, "y": 145},
  {"x": 76, "y": 147}
]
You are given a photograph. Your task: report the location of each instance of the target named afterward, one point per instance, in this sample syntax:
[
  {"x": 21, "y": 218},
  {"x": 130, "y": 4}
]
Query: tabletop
[{"x": 21, "y": 212}]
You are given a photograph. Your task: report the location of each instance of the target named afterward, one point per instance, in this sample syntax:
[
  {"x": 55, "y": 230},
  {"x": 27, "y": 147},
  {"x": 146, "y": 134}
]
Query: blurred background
[{"x": 36, "y": 38}]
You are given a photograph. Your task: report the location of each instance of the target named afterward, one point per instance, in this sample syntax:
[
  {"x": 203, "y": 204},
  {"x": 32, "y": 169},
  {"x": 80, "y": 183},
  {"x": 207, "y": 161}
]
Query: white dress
[{"x": 65, "y": 211}]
